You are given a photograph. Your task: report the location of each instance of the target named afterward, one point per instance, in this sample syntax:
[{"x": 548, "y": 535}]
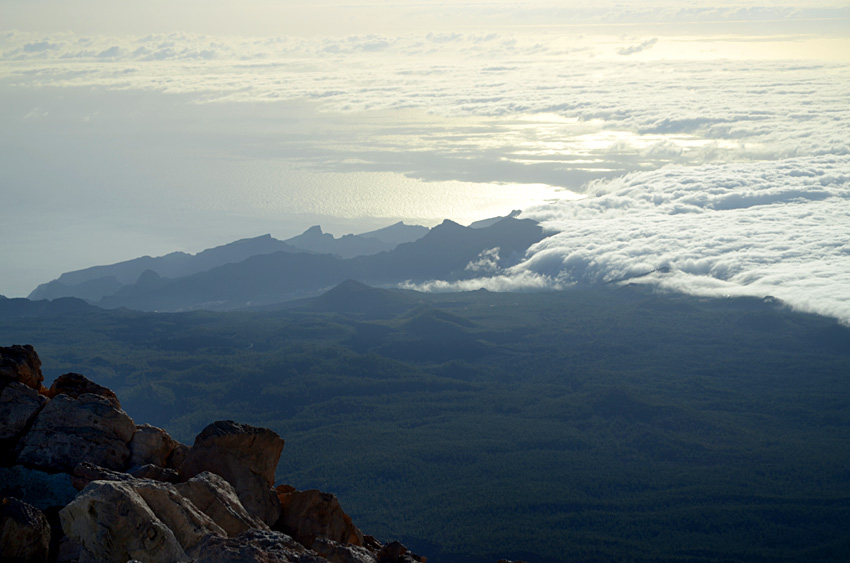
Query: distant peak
[
  {"x": 314, "y": 230},
  {"x": 449, "y": 223}
]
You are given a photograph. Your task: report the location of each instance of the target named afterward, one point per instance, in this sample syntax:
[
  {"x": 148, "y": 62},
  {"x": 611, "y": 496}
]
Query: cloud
[
  {"x": 111, "y": 53},
  {"x": 487, "y": 262},
  {"x": 39, "y": 47},
  {"x": 518, "y": 282},
  {"x": 642, "y": 46},
  {"x": 697, "y": 111},
  {"x": 730, "y": 173},
  {"x": 773, "y": 228}
]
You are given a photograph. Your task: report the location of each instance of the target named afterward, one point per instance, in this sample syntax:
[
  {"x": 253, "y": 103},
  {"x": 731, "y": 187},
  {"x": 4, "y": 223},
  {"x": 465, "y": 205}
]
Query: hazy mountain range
[{"x": 263, "y": 271}]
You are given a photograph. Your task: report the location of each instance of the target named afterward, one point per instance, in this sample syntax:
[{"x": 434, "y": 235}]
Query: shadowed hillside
[{"x": 608, "y": 423}]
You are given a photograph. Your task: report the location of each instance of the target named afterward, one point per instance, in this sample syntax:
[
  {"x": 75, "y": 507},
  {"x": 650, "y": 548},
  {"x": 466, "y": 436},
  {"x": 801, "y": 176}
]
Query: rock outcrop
[
  {"x": 311, "y": 515},
  {"x": 71, "y": 430},
  {"x": 217, "y": 498},
  {"x": 143, "y": 495},
  {"x": 152, "y": 445},
  {"x": 74, "y": 385},
  {"x": 112, "y": 522},
  {"x": 246, "y": 456},
  {"x": 21, "y": 364}
]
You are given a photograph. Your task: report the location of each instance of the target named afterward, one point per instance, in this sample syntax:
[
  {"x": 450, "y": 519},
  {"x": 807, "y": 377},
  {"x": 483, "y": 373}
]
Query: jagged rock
[
  {"x": 151, "y": 445},
  {"x": 85, "y": 473},
  {"x": 254, "y": 546},
  {"x": 182, "y": 517},
  {"x": 309, "y": 515},
  {"x": 155, "y": 472},
  {"x": 74, "y": 385},
  {"x": 246, "y": 456},
  {"x": 339, "y": 553},
  {"x": 21, "y": 364},
  {"x": 18, "y": 406},
  {"x": 218, "y": 500},
  {"x": 40, "y": 489},
  {"x": 143, "y": 498},
  {"x": 112, "y": 522},
  {"x": 24, "y": 533},
  {"x": 69, "y": 431}
]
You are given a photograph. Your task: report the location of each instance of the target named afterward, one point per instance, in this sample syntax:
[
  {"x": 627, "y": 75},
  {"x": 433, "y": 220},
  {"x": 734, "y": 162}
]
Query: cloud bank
[{"x": 779, "y": 228}]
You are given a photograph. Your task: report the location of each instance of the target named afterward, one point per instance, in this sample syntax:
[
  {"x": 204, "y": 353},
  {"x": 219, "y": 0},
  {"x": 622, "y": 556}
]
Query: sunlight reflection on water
[{"x": 277, "y": 186}]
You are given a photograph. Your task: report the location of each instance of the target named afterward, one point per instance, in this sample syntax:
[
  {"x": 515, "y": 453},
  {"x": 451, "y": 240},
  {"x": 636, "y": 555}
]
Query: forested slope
[{"x": 598, "y": 423}]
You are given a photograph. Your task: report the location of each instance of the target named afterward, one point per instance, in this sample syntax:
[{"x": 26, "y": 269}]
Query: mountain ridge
[
  {"x": 97, "y": 282},
  {"x": 265, "y": 279}
]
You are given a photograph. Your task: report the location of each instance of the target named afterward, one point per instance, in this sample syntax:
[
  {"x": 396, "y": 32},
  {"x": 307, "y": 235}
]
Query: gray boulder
[
  {"x": 189, "y": 524},
  {"x": 113, "y": 523},
  {"x": 69, "y": 431},
  {"x": 151, "y": 445},
  {"x": 218, "y": 500}
]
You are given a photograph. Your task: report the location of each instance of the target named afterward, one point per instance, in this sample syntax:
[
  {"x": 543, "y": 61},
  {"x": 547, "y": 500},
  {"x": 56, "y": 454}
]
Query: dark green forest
[{"x": 592, "y": 424}]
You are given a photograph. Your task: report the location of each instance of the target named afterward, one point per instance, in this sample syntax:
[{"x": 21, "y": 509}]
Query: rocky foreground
[{"x": 81, "y": 481}]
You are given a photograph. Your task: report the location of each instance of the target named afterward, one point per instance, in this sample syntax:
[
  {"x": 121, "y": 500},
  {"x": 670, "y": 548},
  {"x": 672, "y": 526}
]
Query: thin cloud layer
[{"x": 688, "y": 111}]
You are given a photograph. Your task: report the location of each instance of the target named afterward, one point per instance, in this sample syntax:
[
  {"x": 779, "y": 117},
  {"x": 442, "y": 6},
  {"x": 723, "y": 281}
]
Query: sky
[{"x": 700, "y": 146}]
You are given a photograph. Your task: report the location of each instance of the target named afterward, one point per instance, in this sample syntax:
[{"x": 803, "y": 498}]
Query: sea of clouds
[
  {"x": 778, "y": 229},
  {"x": 722, "y": 176}
]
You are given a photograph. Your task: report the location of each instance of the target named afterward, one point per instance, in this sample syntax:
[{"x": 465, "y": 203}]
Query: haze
[{"x": 707, "y": 140}]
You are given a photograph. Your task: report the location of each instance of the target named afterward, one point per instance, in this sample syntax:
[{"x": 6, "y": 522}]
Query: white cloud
[
  {"x": 780, "y": 229},
  {"x": 519, "y": 281},
  {"x": 487, "y": 262},
  {"x": 697, "y": 111}
]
